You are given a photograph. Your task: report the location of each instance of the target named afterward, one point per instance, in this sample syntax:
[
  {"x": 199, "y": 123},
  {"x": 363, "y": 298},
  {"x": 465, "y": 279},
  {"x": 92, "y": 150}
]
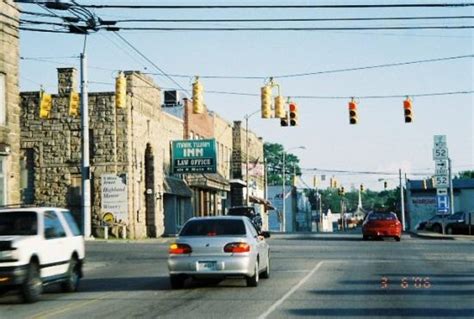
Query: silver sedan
[{"x": 219, "y": 247}]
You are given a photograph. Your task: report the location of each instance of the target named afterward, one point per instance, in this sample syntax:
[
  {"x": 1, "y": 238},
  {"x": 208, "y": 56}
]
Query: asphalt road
[{"x": 313, "y": 276}]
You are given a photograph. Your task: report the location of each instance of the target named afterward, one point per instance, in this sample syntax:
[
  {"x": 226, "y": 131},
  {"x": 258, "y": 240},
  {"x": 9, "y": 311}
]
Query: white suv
[{"x": 39, "y": 246}]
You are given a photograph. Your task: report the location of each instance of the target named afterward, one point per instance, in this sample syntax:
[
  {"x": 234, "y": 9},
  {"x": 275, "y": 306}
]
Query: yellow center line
[{"x": 69, "y": 307}]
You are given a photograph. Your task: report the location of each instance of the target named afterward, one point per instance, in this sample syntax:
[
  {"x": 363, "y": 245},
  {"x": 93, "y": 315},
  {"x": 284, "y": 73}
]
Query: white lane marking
[{"x": 289, "y": 293}]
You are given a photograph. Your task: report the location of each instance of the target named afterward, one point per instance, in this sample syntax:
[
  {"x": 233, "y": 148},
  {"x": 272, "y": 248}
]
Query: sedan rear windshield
[
  {"x": 383, "y": 216},
  {"x": 214, "y": 227},
  {"x": 18, "y": 224}
]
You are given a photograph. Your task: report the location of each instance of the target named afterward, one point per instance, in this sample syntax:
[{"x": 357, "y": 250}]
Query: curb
[{"x": 441, "y": 236}]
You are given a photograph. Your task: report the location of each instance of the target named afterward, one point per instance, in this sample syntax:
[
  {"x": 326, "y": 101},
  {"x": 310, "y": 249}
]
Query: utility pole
[
  {"x": 402, "y": 200},
  {"x": 85, "y": 165},
  {"x": 283, "y": 219},
  {"x": 451, "y": 191}
]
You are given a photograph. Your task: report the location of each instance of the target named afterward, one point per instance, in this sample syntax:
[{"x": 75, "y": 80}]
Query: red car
[{"x": 382, "y": 224}]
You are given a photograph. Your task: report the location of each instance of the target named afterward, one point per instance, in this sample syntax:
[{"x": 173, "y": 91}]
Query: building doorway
[{"x": 150, "y": 203}]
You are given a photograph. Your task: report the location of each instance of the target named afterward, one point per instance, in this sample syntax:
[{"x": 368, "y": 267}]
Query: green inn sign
[{"x": 194, "y": 156}]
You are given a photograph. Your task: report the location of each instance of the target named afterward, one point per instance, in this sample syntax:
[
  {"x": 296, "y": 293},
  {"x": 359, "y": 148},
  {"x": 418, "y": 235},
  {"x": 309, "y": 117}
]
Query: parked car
[
  {"x": 382, "y": 224},
  {"x": 219, "y": 247},
  {"x": 458, "y": 225},
  {"x": 38, "y": 247},
  {"x": 435, "y": 223},
  {"x": 248, "y": 211}
]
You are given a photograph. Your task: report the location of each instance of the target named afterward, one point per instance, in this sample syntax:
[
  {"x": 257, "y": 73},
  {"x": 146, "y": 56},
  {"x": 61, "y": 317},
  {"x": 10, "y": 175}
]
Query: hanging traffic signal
[
  {"x": 353, "y": 119},
  {"x": 73, "y": 103},
  {"x": 280, "y": 107},
  {"x": 424, "y": 184},
  {"x": 407, "y": 107},
  {"x": 46, "y": 103},
  {"x": 293, "y": 114},
  {"x": 266, "y": 95},
  {"x": 294, "y": 180},
  {"x": 341, "y": 191},
  {"x": 120, "y": 90},
  {"x": 361, "y": 187},
  {"x": 284, "y": 120},
  {"x": 385, "y": 185},
  {"x": 198, "y": 100}
]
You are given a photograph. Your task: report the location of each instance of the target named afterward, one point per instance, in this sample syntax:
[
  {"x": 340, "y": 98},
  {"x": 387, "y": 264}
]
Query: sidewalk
[{"x": 431, "y": 235}]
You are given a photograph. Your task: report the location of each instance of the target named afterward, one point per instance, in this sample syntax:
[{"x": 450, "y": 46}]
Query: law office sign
[{"x": 194, "y": 156}]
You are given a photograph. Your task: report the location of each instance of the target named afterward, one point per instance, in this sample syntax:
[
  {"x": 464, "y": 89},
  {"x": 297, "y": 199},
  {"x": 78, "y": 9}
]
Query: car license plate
[{"x": 207, "y": 266}]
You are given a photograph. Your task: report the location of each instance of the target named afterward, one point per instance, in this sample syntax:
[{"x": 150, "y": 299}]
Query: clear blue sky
[{"x": 380, "y": 142}]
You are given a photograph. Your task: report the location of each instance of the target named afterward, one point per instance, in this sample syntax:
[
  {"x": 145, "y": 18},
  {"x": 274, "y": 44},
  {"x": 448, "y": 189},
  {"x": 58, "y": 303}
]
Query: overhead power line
[
  {"x": 291, "y": 19},
  {"x": 289, "y": 6},
  {"x": 437, "y": 27}
]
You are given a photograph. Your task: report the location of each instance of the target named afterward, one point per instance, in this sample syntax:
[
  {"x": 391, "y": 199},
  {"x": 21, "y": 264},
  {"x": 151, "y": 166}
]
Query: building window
[
  {"x": 180, "y": 213},
  {"x": 3, "y": 180},
  {"x": 27, "y": 173},
  {"x": 3, "y": 100}
]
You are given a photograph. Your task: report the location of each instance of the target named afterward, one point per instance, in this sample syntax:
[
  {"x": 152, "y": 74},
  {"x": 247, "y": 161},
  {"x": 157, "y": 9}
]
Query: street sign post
[{"x": 194, "y": 156}]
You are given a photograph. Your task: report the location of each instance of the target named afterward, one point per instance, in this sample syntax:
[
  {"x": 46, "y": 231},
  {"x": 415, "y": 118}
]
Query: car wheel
[
  {"x": 253, "y": 280},
  {"x": 177, "y": 281},
  {"x": 266, "y": 273},
  {"x": 73, "y": 276},
  {"x": 397, "y": 238},
  {"x": 437, "y": 228},
  {"x": 33, "y": 286}
]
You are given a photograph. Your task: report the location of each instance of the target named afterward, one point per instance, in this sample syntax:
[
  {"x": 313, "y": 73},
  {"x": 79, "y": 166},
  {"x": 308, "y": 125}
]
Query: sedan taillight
[
  {"x": 237, "y": 248},
  {"x": 180, "y": 249}
]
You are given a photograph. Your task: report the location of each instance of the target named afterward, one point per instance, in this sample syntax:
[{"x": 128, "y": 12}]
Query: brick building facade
[{"x": 9, "y": 105}]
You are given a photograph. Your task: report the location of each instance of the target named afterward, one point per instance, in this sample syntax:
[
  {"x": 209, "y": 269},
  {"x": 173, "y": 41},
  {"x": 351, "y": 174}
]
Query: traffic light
[
  {"x": 407, "y": 107},
  {"x": 284, "y": 120},
  {"x": 315, "y": 181},
  {"x": 293, "y": 114},
  {"x": 341, "y": 191},
  {"x": 294, "y": 180},
  {"x": 424, "y": 183},
  {"x": 280, "y": 107},
  {"x": 385, "y": 185},
  {"x": 73, "y": 103},
  {"x": 120, "y": 90},
  {"x": 361, "y": 187},
  {"x": 46, "y": 103},
  {"x": 198, "y": 103},
  {"x": 333, "y": 182},
  {"x": 266, "y": 95},
  {"x": 353, "y": 119}
]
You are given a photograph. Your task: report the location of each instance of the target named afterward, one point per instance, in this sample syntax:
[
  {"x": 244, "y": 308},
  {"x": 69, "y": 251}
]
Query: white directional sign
[
  {"x": 441, "y": 181},
  {"x": 439, "y": 139},
  {"x": 442, "y": 191},
  {"x": 441, "y": 167}
]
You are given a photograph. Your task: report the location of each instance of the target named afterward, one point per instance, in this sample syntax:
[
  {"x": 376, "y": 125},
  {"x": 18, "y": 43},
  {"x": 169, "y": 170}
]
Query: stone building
[
  {"x": 253, "y": 146},
  {"x": 129, "y": 156},
  {"x": 9, "y": 105}
]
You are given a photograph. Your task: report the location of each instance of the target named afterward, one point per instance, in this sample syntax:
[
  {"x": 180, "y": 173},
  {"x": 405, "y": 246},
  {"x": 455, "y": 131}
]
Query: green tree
[{"x": 274, "y": 159}]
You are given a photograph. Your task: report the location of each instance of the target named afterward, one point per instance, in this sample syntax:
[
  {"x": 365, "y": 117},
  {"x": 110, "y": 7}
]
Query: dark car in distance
[{"x": 249, "y": 212}]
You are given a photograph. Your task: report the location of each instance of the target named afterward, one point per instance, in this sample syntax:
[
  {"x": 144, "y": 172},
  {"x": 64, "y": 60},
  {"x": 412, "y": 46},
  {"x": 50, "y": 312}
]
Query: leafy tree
[
  {"x": 465, "y": 175},
  {"x": 274, "y": 158}
]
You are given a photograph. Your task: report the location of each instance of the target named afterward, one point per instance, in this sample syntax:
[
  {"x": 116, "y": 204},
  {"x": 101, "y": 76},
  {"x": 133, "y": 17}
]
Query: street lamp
[
  {"x": 247, "y": 116},
  {"x": 283, "y": 224}
]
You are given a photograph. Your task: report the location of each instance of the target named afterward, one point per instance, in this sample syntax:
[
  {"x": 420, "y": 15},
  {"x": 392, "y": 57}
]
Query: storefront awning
[
  {"x": 176, "y": 186},
  {"x": 261, "y": 201},
  {"x": 210, "y": 181}
]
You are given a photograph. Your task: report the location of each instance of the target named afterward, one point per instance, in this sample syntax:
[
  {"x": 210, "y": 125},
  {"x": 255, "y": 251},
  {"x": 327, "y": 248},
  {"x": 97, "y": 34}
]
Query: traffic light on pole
[
  {"x": 293, "y": 114},
  {"x": 424, "y": 184},
  {"x": 361, "y": 187},
  {"x": 407, "y": 107},
  {"x": 120, "y": 90},
  {"x": 73, "y": 103},
  {"x": 284, "y": 120},
  {"x": 266, "y": 95},
  {"x": 385, "y": 185},
  {"x": 341, "y": 191},
  {"x": 353, "y": 119},
  {"x": 280, "y": 107},
  {"x": 198, "y": 103},
  {"x": 46, "y": 103}
]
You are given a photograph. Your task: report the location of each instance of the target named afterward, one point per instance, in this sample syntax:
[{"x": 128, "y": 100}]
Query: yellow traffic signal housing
[
  {"x": 293, "y": 114},
  {"x": 198, "y": 100},
  {"x": 341, "y": 191},
  {"x": 315, "y": 181},
  {"x": 294, "y": 180},
  {"x": 408, "y": 111},
  {"x": 46, "y": 103},
  {"x": 120, "y": 91},
  {"x": 424, "y": 184},
  {"x": 353, "y": 118},
  {"x": 266, "y": 96},
  {"x": 385, "y": 185},
  {"x": 361, "y": 187},
  {"x": 280, "y": 107},
  {"x": 74, "y": 103},
  {"x": 284, "y": 120}
]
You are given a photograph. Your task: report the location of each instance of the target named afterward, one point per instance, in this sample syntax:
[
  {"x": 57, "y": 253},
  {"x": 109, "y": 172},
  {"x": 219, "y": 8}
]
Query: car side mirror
[{"x": 265, "y": 234}]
